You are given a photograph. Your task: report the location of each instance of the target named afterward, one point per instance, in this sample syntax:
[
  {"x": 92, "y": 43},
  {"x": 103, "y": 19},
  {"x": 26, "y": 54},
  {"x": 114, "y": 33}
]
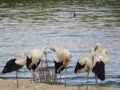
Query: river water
[{"x": 29, "y": 24}]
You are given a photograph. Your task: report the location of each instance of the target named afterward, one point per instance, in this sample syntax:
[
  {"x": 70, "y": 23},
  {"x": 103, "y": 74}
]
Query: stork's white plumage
[
  {"x": 21, "y": 60},
  {"x": 15, "y": 65},
  {"x": 104, "y": 56},
  {"x": 37, "y": 54},
  {"x": 34, "y": 59},
  {"x": 63, "y": 55},
  {"x": 86, "y": 62},
  {"x": 62, "y": 60}
]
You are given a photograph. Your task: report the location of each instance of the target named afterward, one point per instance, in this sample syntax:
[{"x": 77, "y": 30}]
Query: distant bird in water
[
  {"x": 85, "y": 65},
  {"x": 74, "y": 14},
  {"x": 15, "y": 65},
  {"x": 63, "y": 59},
  {"x": 33, "y": 60}
]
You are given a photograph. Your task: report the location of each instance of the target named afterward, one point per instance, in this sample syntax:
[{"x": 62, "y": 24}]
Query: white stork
[
  {"x": 14, "y": 65},
  {"x": 63, "y": 59},
  {"x": 33, "y": 60},
  {"x": 98, "y": 66},
  {"x": 85, "y": 65}
]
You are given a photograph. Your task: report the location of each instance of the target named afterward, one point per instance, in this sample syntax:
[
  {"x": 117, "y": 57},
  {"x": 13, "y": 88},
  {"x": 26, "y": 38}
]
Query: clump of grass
[{"x": 47, "y": 75}]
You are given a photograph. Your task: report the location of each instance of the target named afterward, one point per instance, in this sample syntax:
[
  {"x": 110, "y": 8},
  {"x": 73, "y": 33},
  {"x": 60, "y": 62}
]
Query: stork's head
[
  {"x": 104, "y": 52},
  {"x": 44, "y": 48},
  {"x": 53, "y": 48},
  {"x": 97, "y": 46}
]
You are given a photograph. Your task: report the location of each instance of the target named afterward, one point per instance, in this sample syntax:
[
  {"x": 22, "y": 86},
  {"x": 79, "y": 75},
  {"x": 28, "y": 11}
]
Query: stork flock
[{"x": 94, "y": 62}]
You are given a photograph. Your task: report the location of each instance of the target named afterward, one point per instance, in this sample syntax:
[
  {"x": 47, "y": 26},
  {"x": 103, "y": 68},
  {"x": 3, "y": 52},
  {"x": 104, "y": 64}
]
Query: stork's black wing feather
[
  {"x": 57, "y": 65},
  {"x": 99, "y": 70},
  {"x": 11, "y": 66},
  {"x": 29, "y": 61},
  {"x": 78, "y": 67}
]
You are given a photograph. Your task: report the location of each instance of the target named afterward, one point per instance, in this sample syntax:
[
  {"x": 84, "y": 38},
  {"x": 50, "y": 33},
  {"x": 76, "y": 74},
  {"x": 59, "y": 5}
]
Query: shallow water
[{"x": 29, "y": 24}]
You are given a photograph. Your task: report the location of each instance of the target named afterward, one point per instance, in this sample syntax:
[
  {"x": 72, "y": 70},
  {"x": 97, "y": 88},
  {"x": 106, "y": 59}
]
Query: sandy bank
[{"x": 10, "y": 84}]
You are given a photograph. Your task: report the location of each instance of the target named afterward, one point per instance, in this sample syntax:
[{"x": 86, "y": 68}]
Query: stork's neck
[
  {"x": 55, "y": 49},
  {"x": 43, "y": 48},
  {"x": 97, "y": 52}
]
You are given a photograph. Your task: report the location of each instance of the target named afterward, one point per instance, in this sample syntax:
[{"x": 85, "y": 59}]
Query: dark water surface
[{"x": 28, "y": 24}]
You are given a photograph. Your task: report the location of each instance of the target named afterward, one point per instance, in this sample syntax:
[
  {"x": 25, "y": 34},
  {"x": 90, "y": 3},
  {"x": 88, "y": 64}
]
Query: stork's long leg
[
  {"x": 87, "y": 80},
  {"x": 36, "y": 76},
  {"x": 96, "y": 79},
  {"x": 65, "y": 76},
  {"x": 17, "y": 80},
  {"x": 60, "y": 79},
  {"x": 32, "y": 75}
]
